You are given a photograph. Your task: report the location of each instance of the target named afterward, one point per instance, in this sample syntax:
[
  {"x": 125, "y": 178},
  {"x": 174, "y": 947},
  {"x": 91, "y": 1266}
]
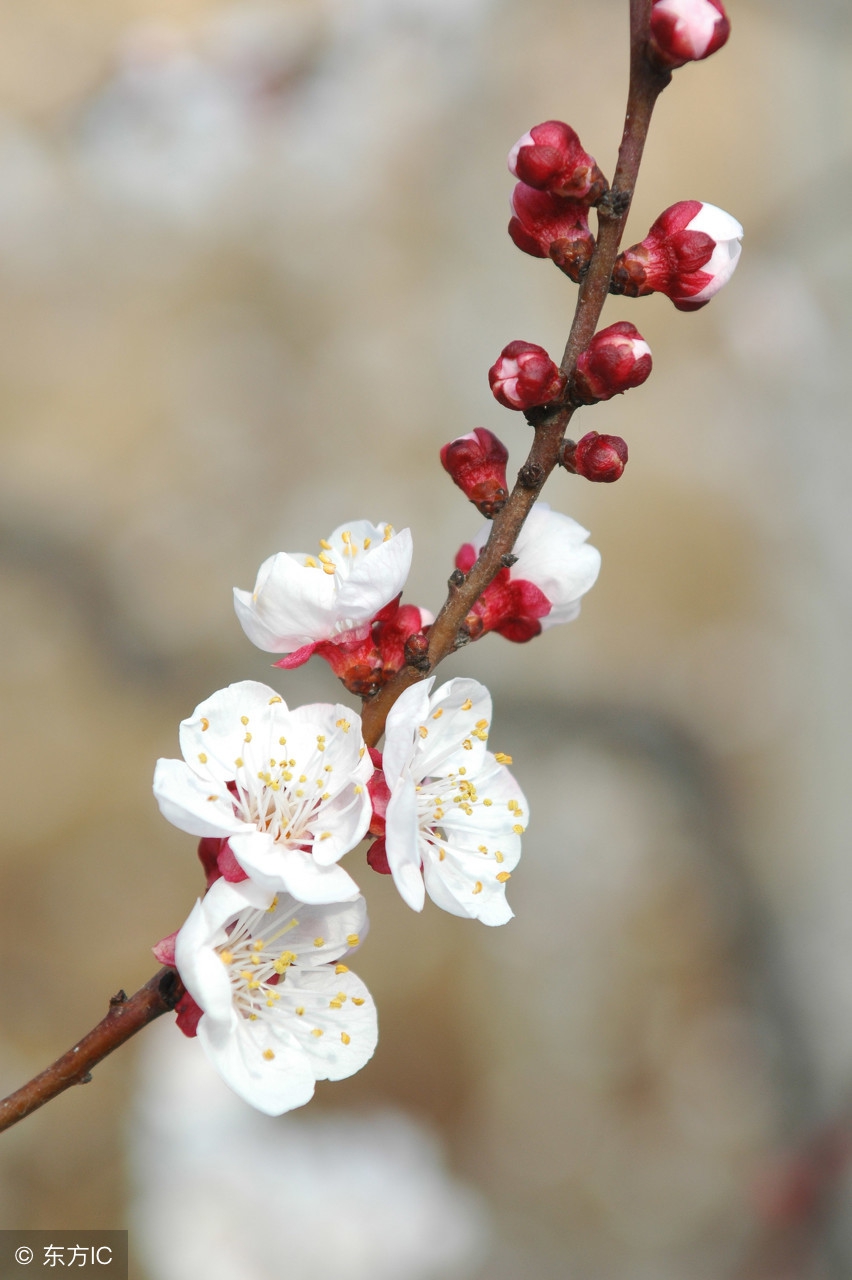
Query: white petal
[
  {"x": 374, "y": 578},
  {"x": 202, "y": 971},
  {"x": 402, "y": 841},
  {"x": 292, "y": 605},
  {"x": 465, "y": 883},
  {"x": 410, "y": 710},
  {"x": 275, "y": 866},
  {"x": 271, "y": 1084},
  {"x": 188, "y": 802},
  {"x": 215, "y": 749},
  {"x": 347, "y": 1032},
  {"x": 715, "y": 222},
  {"x": 450, "y": 743},
  {"x": 321, "y": 934}
]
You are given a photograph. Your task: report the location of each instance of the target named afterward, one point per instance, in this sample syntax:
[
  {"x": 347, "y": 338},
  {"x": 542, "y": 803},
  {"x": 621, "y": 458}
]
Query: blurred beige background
[{"x": 253, "y": 270}]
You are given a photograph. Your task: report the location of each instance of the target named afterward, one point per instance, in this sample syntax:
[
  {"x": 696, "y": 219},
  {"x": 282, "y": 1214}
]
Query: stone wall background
[{"x": 253, "y": 269}]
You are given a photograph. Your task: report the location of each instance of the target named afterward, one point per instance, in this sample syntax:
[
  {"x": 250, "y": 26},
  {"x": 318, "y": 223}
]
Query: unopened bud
[
  {"x": 687, "y": 30},
  {"x": 689, "y": 253},
  {"x": 551, "y": 158},
  {"x": 417, "y": 651},
  {"x": 548, "y": 226},
  {"x": 525, "y": 376},
  {"x": 616, "y": 359},
  {"x": 596, "y": 457},
  {"x": 477, "y": 464}
]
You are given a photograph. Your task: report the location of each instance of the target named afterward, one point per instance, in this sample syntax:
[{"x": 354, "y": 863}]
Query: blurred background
[{"x": 253, "y": 271}]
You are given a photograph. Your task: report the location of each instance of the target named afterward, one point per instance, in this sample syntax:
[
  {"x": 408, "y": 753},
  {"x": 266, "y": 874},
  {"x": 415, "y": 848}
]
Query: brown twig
[
  {"x": 646, "y": 84},
  {"x": 125, "y": 1017},
  {"x": 162, "y": 992}
]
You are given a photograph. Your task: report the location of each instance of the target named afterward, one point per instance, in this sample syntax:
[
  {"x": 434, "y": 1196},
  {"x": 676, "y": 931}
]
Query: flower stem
[
  {"x": 126, "y": 1016},
  {"x": 445, "y": 635}
]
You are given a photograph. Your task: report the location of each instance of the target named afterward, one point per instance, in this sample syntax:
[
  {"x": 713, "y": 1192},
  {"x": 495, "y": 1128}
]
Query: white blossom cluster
[{"x": 278, "y": 796}]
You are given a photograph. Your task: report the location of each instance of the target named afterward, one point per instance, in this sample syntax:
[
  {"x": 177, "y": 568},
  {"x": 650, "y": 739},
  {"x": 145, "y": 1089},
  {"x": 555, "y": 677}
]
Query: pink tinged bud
[
  {"x": 164, "y": 951},
  {"x": 548, "y": 226},
  {"x": 551, "y": 158},
  {"x": 525, "y": 376},
  {"x": 596, "y": 457},
  {"x": 477, "y": 464},
  {"x": 616, "y": 359},
  {"x": 689, "y": 253},
  {"x": 687, "y": 30}
]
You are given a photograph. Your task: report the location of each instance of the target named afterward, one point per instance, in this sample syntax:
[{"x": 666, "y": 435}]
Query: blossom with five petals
[
  {"x": 286, "y": 789},
  {"x": 455, "y": 815},
  {"x": 279, "y": 1009},
  {"x": 299, "y": 600}
]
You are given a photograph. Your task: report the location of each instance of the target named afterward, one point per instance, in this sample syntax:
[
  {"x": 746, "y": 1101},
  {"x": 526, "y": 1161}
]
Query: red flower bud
[
  {"x": 525, "y": 376},
  {"x": 687, "y": 30},
  {"x": 596, "y": 457},
  {"x": 551, "y": 158},
  {"x": 477, "y": 464},
  {"x": 689, "y": 253},
  {"x": 549, "y": 226},
  {"x": 616, "y": 359}
]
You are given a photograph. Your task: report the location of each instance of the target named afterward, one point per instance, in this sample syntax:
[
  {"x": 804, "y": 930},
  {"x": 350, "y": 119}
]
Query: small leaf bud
[
  {"x": 525, "y": 376},
  {"x": 551, "y": 158},
  {"x": 596, "y": 457},
  {"x": 548, "y": 226},
  {"x": 477, "y": 464},
  {"x": 688, "y": 254},
  {"x": 686, "y": 30},
  {"x": 616, "y": 359}
]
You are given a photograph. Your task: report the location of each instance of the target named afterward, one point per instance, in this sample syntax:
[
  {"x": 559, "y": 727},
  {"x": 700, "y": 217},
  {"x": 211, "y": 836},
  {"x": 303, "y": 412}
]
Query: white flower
[
  {"x": 278, "y": 1012},
  {"x": 552, "y": 553},
  {"x": 287, "y": 789},
  {"x": 301, "y": 599},
  {"x": 456, "y": 815}
]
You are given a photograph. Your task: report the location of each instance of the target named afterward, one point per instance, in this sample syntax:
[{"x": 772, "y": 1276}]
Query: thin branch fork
[{"x": 161, "y": 993}]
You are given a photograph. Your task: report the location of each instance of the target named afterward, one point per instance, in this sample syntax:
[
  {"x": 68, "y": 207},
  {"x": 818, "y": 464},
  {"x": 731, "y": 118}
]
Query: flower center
[{"x": 256, "y": 965}]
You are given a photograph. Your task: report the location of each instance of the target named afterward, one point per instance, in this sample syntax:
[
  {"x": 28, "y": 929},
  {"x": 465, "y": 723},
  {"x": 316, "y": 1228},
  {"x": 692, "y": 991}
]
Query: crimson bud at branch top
[
  {"x": 687, "y": 30},
  {"x": 616, "y": 359},
  {"x": 689, "y": 253},
  {"x": 551, "y": 158},
  {"x": 477, "y": 464},
  {"x": 525, "y": 376}
]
